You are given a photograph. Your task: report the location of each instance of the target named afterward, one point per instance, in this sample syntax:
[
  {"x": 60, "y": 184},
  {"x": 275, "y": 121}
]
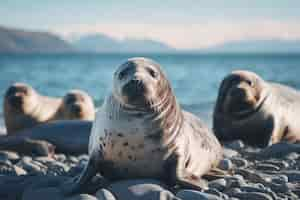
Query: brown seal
[
  {"x": 256, "y": 111},
  {"x": 77, "y": 105},
  {"x": 141, "y": 132},
  {"x": 24, "y": 108}
]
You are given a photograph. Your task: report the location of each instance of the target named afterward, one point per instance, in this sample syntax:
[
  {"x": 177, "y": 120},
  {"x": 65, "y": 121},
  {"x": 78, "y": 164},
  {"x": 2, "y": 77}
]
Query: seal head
[
  {"x": 240, "y": 111},
  {"x": 78, "y": 105},
  {"x": 20, "y": 98}
]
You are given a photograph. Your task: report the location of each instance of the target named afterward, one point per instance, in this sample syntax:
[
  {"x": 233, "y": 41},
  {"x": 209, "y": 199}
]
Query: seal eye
[
  {"x": 123, "y": 73},
  {"x": 153, "y": 73},
  {"x": 250, "y": 83}
]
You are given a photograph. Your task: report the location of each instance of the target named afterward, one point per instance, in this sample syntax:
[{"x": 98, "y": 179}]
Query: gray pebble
[
  {"x": 292, "y": 156},
  {"x": 239, "y": 162},
  {"x": 147, "y": 189},
  {"x": 82, "y": 197},
  {"x": 267, "y": 167},
  {"x": 196, "y": 195},
  {"x": 60, "y": 157},
  {"x": 29, "y": 165},
  {"x": 12, "y": 156},
  {"x": 229, "y": 153},
  {"x": 293, "y": 175},
  {"x": 252, "y": 196},
  {"x": 219, "y": 184},
  {"x": 225, "y": 164},
  {"x": 236, "y": 145},
  {"x": 104, "y": 194}
]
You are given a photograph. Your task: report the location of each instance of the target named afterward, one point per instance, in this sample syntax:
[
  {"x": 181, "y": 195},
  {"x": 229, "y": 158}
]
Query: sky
[{"x": 182, "y": 24}]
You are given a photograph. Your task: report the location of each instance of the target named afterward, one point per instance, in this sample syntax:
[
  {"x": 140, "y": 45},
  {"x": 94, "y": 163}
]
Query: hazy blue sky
[{"x": 182, "y": 24}]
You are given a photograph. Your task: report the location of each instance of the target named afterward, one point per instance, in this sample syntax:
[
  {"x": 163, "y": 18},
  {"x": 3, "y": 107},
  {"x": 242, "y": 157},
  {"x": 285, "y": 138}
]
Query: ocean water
[{"x": 195, "y": 78}]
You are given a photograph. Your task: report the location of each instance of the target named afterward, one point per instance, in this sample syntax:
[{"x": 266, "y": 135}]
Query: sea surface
[{"x": 195, "y": 78}]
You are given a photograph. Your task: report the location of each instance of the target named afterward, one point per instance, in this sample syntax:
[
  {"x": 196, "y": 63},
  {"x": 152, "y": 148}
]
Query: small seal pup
[
  {"x": 141, "y": 132},
  {"x": 255, "y": 111},
  {"x": 77, "y": 105},
  {"x": 24, "y": 108}
]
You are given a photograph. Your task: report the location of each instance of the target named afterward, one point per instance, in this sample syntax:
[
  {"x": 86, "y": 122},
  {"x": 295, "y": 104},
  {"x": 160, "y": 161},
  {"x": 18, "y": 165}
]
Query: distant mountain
[
  {"x": 258, "y": 46},
  {"x": 103, "y": 43},
  {"x": 21, "y": 41}
]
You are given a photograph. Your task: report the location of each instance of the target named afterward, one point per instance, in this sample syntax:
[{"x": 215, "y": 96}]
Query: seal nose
[
  {"x": 134, "y": 87},
  {"x": 239, "y": 93},
  {"x": 76, "y": 108},
  {"x": 16, "y": 101}
]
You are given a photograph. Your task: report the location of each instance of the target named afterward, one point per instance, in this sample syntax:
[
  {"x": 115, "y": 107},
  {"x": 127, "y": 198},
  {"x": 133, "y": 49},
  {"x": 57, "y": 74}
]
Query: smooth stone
[
  {"x": 29, "y": 165},
  {"x": 19, "y": 171},
  {"x": 279, "y": 150},
  {"x": 49, "y": 193},
  {"x": 10, "y": 155},
  {"x": 57, "y": 168},
  {"x": 252, "y": 196},
  {"x": 280, "y": 179},
  {"x": 239, "y": 162},
  {"x": 292, "y": 156},
  {"x": 235, "y": 181},
  {"x": 225, "y": 164},
  {"x": 229, "y": 153},
  {"x": 219, "y": 184},
  {"x": 279, "y": 163},
  {"x": 73, "y": 159},
  {"x": 7, "y": 169},
  {"x": 251, "y": 175},
  {"x": 236, "y": 145},
  {"x": 196, "y": 195},
  {"x": 82, "y": 197},
  {"x": 146, "y": 189},
  {"x": 44, "y": 159},
  {"x": 267, "y": 167},
  {"x": 258, "y": 189},
  {"x": 104, "y": 194},
  {"x": 293, "y": 175},
  {"x": 233, "y": 191},
  {"x": 60, "y": 157}
]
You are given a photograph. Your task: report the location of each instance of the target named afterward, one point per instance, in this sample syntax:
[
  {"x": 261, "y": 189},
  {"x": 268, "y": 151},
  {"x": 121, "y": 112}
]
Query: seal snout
[
  {"x": 134, "y": 87},
  {"x": 238, "y": 93},
  {"x": 16, "y": 100}
]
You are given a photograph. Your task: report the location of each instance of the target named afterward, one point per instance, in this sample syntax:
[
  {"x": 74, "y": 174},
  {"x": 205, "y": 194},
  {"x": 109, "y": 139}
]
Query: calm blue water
[{"x": 195, "y": 78}]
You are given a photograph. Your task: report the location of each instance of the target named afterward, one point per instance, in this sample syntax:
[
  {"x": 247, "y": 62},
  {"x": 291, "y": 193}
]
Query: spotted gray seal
[
  {"x": 141, "y": 132},
  {"x": 256, "y": 111}
]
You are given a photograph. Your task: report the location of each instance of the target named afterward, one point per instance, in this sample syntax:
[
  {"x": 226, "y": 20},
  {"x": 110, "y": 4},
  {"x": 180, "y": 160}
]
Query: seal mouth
[
  {"x": 247, "y": 112},
  {"x": 135, "y": 92}
]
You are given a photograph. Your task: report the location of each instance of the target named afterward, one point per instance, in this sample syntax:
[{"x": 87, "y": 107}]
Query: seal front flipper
[
  {"x": 175, "y": 165},
  {"x": 81, "y": 183}
]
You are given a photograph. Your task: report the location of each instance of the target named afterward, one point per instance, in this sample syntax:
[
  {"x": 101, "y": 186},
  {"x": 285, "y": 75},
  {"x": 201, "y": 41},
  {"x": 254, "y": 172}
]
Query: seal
[
  {"x": 77, "y": 105},
  {"x": 141, "y": 132},
  {"x": 256, "y": 111},
  {"x": 24, "y": 108}
]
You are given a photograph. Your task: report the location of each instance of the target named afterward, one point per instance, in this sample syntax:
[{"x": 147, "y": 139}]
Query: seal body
[
  {"x": 25, "y": 108},
  {"x": 256, "y": 111},
  {"x": 77, "y": 105},
  {"x": 141, "y": 131}
]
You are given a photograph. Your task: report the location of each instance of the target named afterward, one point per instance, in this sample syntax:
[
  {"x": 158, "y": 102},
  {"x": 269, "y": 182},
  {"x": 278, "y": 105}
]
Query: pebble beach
[{"x": 251, "y": 173}]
